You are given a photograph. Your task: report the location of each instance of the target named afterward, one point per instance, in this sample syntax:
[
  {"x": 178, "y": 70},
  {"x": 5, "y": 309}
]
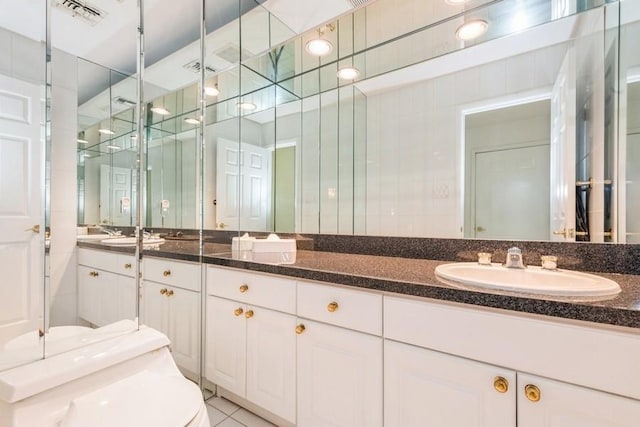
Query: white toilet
[{"x": 129, "y": 379}]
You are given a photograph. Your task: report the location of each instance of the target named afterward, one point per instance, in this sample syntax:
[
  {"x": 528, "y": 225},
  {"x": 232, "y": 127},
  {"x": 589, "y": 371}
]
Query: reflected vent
[
  {"x": 195, "y": 65},
  {"x": 231, "y": 53},
  {"x": 81, "y": 9}
]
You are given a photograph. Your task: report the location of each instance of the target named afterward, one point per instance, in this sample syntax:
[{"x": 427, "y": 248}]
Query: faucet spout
[{"x": 514, "y": 258}]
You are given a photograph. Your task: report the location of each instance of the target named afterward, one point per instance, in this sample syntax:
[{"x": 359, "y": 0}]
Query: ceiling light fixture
[
  {"x": 348, "y": 73},
  {"x": 247, "y": 106},
  {"x": 82, "y": 141},
  {"x": 113, "y": 147},
  {"x": 320, "y": 46},
  {"x": 106, "y": 131},
  {"x": 192, "y": 121},
  {"x": 456, "y": 2},
  {"x": 211, "y": 91},
  {"x": 472, "y": 29},
  {"x": 160, "y": 110}
]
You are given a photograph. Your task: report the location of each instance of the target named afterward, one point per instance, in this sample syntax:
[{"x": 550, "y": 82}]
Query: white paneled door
[{"x": 21, "y": 222}]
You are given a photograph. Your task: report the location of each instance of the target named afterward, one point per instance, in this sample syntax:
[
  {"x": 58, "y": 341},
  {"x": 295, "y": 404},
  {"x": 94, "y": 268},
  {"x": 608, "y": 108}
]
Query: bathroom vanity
[{"x": 360, "y": 340}]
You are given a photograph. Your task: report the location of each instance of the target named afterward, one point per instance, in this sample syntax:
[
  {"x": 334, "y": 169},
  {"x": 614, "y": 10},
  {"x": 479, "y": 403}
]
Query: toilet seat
[{"x": 144, "y": 399}]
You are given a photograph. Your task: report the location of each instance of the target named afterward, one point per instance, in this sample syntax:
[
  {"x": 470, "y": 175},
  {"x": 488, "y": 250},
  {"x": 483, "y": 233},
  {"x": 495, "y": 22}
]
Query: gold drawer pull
[
  {"x": 244, "y": 288},
  {"x": 93, "y": 274},
  {"x": 169, "y": 292},
  {"x": 532, "y": 392},
  {"x": 163, "y": 291},
  {"x": 248, "y": 314},
  {"x": 300, "y": 329},
  {"x": 500, "y": 384},
  {"x": 333, "y": 306},
  {"x": 166, "y": 273},
  {"x": 127, "y": 266},
  {"x": 238, "y": 311}
]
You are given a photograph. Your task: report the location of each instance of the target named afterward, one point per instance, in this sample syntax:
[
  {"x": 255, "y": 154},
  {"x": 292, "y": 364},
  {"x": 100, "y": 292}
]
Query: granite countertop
[{"x": 415, "y": 277}]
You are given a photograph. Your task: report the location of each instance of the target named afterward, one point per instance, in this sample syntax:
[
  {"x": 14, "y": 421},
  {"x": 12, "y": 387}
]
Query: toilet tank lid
[{"x": 36, "y": 377}]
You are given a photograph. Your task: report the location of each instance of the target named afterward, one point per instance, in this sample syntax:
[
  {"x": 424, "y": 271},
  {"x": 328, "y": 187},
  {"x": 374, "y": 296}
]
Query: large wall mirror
[{"x": 516, "y": 133}]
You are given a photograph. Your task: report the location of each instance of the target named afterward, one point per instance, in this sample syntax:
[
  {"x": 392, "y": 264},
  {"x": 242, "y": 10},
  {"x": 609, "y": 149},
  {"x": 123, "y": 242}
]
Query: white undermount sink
[{"x": 531, "y": 280}]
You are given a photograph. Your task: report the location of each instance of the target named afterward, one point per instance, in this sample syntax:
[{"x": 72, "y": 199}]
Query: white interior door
[
  {"x": 21, "y": 250},
  {"x": 116, "y": 200},
  {"x": 563, "y": 152},
  {"x": 511, "y": 193},
  {"x": 243, "y": 186}
]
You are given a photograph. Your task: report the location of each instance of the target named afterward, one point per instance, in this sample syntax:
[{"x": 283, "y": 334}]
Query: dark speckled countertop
[{"x": 411, "y": 276}]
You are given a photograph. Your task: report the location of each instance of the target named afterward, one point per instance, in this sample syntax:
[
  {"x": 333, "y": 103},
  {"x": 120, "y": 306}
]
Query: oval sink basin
[
  {"x": 131, "y": 241},
  {"x": 95, "y": 237},
  {"x": 531, "y": 280}
]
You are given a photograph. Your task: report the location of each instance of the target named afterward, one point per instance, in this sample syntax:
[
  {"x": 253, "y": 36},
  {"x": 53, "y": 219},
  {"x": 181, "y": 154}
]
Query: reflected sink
[
  {"x": 94, "y": 237},
  {"x": 559, "y": 284},
  {"x": 131, "y": 241}
]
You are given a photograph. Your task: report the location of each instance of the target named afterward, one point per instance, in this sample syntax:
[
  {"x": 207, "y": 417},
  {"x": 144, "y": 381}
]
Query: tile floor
[{"x": 223, "y": 413}]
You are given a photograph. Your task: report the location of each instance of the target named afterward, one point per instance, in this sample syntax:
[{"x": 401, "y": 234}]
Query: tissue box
[
  {"x": 241, "y": 247},
  {"x": 280, "y": 251}
]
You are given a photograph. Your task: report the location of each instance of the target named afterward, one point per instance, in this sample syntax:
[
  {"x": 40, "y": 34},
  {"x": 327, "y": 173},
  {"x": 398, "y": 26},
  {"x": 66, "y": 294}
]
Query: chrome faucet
[
  {"x": 514, "y": 258},
  {"x": 110, "y": 232}
]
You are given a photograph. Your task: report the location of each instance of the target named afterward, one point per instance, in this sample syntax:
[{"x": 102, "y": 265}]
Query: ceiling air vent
[
  {"x": 81, "y": 9},
  {"x": 231, "y": 53},
  {"x": 358, "y": 3},
  {"x": 194, "y": 66}
]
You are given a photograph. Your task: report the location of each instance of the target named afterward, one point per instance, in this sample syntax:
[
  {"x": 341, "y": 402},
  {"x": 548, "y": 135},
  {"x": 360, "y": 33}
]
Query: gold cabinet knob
[
  {"x": 163, "y": 291},
  {"x": 127, "y": 266},
  {"x": 532, "y": 392},
  {"x": 169, "y": 292},
  {"x": 300, "y": 329},
  {"x": 166, "y": 273},
  {"x": 501, "y": 384},
  {"x": 248, "y": 314},
  {"x": 333, "y": 306},
  {"x": 244, "y": 288},
  {"x": 238, "y": 311}
]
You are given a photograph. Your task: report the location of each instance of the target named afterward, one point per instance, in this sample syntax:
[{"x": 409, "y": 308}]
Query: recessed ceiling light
[
  {"x": 192, "y": 121},
  {"x": 211, "y": 91},
  {"x": 160, "y": 110},
  {"x": 247, "y": 106},
  {"x": 319, "y": 47},
  {"x": 348, "y": 73},
  {"x": 456, "y": 2},
  {"x": 82, "y": 141},
  {"x": 106, "y": 131},
  {"x": 472, "y": 29}
]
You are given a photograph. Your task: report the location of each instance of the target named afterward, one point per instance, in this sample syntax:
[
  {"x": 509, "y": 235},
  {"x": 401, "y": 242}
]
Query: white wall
[{"x": 414, "y": 166}]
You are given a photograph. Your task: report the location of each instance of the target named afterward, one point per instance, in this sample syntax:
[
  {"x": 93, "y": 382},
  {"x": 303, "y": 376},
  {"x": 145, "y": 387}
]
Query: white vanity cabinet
[
  {"x": 339, "y": 360},
  {"x": 447, "y": 368},
  {"x": 106, "y": 286},
  {"x": 250, "y": 338},
  {"x": 170, "y": 303}
]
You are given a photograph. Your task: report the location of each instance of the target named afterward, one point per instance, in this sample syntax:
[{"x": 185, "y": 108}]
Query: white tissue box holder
[{"x": 282, "y": 251}]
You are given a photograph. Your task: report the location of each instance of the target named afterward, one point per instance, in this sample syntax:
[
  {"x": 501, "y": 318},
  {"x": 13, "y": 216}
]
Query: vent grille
[
  {"x": 358, "y": 3},
  {"x": 82, "y": 9},
  {"x": 194, "y": 66},
  {"x": 231, "y": 53}
]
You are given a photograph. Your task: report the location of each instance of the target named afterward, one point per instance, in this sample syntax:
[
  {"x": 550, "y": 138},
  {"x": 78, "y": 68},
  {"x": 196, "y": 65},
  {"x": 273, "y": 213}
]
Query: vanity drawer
[
  {"x": 353, "y": 309},
  {"x": 263, "y": 290},
  {"x": 169, "y": 272},
  {"x": 101, "y": 260}
]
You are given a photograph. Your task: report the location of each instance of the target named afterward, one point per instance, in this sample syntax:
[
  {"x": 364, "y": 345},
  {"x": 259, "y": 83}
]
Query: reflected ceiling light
[
  {"x": 456, "y": 2},
  {"x": 211, "y": 91},
  {"x": 86, "y": 155},
  {"x": 82, "y": 141},
  {"x": 113, "y": 147},
  {"x": 319, "y": 47},
  {"x": 247, "y": 106},
  {"x": 472, "y": 29},
  {"x": 192, "y": 121},
  {"x": 160, "y": 110},
  {"x": 520, "y": 21},
  {"x": 106, "y": 131},
  {"x": 348, "y": 73},
  {"x": 134, "y": 136}
]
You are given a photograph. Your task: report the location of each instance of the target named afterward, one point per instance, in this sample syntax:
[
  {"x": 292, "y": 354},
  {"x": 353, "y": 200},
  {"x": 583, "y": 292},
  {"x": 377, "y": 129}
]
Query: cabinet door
[
  {"x": 108, "y": 297},
  {"x": 427, "y": 388},
  {"x": 184, "y": 326},
  {"x": 566, "y": 405},
  {"x": 127, "y": 298},
  {"x": 89, "y": 294},
  {"x": 339, "y": 377},
  {"x": 271, "y": 361},
  {"x": 154, "y": 306},
  {"x": 225, "y": 360}
]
